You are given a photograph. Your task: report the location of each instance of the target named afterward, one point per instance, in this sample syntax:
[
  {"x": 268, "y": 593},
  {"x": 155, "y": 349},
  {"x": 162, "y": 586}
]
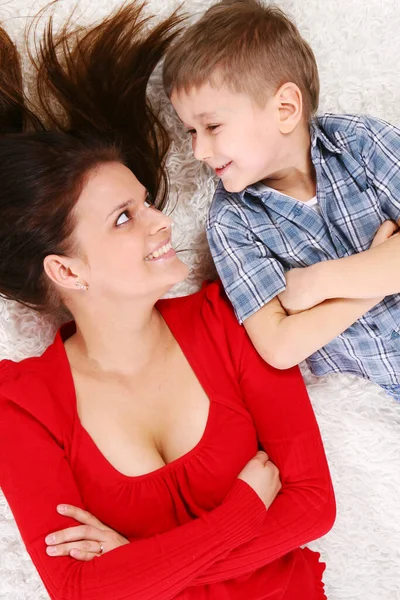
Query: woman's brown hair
[
  {"x": 15, "y": 114},
  {"x": 91, "y": 94}
]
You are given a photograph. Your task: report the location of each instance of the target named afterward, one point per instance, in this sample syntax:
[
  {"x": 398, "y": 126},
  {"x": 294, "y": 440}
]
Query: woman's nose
[{"x": 158, "y": 221}]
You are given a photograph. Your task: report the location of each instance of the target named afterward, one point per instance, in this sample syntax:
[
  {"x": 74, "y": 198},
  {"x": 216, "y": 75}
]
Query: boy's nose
[{"x": 201, "y": 148}]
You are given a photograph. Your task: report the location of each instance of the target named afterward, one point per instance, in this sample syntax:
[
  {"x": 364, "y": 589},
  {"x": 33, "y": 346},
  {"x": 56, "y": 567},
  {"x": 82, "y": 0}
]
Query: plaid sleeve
[
  {"x": 380, "y": 150},
  {"x": 250, "y": 274}
]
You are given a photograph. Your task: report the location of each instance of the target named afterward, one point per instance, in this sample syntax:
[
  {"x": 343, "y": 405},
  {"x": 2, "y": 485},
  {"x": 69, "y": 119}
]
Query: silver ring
[{"x": 101, "y": 547}]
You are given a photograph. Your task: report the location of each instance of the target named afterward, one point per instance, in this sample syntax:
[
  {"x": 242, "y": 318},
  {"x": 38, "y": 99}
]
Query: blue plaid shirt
[{"x": 258, "y": 234}]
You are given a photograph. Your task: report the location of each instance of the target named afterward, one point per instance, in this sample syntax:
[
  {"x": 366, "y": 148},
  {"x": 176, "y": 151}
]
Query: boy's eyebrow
[{"x": 203, "y": 115}]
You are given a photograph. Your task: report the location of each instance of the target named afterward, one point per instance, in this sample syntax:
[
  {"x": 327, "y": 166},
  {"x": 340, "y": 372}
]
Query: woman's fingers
[
  {"x": 83, "y": 516},
  {"x": 85, "y": 541},
  {"x": 82, "y": 550},
  {"x": 74, "y": 534},
  {"x": 262, "y": 457},
  {"x": 82, "y": 555}
]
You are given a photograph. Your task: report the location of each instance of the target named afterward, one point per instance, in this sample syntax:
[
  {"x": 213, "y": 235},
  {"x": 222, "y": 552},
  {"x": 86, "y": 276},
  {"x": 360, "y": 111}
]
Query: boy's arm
[
  {"x": 253, "y": 282},
  {"x": 369, "y": 274},
  {"x": 285, "y": 340},
  {"x": 365, "y": 275}
]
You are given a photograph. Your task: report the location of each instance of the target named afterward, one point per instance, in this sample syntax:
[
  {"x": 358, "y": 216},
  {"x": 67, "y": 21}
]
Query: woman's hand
[
  {"x": 263, "y": 476},
  {"x": 83, "y": 542}
]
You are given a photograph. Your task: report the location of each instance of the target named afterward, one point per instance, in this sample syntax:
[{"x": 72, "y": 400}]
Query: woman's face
[{"x": 124, "y": 243}]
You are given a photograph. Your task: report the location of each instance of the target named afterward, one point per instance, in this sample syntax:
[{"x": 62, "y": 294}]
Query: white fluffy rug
[{"x": 357, "y": 45}]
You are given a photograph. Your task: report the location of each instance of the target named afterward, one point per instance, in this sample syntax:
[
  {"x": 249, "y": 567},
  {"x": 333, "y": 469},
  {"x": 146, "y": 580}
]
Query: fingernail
[
  {"x": 50, "y": 539},
  {"x": 51, "y": 550},
  {"x": 62, "y": 508}
]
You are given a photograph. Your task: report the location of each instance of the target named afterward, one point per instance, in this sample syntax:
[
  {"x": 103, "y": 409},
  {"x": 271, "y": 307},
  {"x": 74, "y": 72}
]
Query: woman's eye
[
  {"x": 123, "y": 218},
  {"x": 212, "y": 127},
  {"x": 191, "y": 132}
]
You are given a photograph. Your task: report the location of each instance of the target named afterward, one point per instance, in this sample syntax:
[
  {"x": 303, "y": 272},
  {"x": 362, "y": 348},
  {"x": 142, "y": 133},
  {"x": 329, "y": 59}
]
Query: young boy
[{"x": 301, "y": 224}]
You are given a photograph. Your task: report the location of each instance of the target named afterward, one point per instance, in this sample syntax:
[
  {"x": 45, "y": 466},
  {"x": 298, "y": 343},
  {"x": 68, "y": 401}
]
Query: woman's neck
[{"x": 118, "y": 341}]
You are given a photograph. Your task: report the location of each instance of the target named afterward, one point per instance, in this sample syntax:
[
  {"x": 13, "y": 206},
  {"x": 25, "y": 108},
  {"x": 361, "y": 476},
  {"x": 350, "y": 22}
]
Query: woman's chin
[{"x": 179, "y": 273}]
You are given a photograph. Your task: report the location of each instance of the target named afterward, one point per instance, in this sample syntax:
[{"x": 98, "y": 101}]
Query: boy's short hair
[{"x": 249, "y": 47}]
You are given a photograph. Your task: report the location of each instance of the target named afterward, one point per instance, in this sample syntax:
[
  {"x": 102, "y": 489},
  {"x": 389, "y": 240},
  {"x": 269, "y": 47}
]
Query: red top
[{"x": 196, "y": 531}]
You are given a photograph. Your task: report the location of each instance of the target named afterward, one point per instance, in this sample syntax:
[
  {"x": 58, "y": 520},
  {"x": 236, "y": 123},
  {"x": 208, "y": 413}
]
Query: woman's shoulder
[
  {"x": 206, "y": 319},
  {"x": 209, "y": 303},
  {"x": 35, "y": 386},
  {"x": 12, "y": 370}
]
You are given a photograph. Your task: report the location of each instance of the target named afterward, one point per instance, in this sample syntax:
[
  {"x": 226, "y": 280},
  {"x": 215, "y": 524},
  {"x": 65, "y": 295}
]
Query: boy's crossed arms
[{"x": 323, "y": 300}]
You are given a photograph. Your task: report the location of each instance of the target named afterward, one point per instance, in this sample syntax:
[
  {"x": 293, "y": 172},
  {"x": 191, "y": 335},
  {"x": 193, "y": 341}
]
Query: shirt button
[
  {"x": 297, "y": 211},
  {"x": 394, "y": 335}
]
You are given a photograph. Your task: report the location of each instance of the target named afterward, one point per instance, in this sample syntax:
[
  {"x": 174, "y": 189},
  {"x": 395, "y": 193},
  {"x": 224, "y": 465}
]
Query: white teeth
[{"x": 163, "y": 250}]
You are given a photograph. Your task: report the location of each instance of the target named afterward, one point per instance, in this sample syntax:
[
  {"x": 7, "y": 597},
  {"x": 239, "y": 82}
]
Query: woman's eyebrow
[{"x": 120, "y": 207}]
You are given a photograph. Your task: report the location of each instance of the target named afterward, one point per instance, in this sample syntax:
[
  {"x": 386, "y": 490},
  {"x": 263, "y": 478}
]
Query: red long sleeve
[
  {"x": 305, "y": 508},
  {"x": 287, "y": 430}
]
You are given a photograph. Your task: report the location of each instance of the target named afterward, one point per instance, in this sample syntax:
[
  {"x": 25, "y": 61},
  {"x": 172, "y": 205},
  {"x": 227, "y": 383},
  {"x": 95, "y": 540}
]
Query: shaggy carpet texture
[{"x": 357, "y": 46}]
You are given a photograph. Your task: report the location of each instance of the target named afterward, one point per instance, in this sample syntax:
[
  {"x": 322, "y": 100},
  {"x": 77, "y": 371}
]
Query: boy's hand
[
  {"x": 387, "y": 230},
  {"x": 302, "y": 290}
]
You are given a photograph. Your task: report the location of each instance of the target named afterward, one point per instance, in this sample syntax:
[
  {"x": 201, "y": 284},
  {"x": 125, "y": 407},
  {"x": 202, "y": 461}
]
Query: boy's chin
[{"x": 235, "y": 187}]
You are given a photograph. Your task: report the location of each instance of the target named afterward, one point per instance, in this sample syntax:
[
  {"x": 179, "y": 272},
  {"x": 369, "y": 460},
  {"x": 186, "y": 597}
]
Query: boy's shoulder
[
  {"x": 332, "y": 123},
  {"x": 225, "y": 207},
  {"x": 347, "y": 129}
]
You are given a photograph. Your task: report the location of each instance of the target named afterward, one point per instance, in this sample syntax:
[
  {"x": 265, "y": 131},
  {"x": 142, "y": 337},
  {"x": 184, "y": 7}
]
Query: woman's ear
[
  {"x": 290, "y": 107},
  {"x": 62, "y": 271}
]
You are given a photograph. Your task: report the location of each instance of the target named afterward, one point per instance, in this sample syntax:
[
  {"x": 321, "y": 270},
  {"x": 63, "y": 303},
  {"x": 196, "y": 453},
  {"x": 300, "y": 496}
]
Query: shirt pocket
[
  {"x": 383, "y": 320},
  {"x": 294, "y": 245}
]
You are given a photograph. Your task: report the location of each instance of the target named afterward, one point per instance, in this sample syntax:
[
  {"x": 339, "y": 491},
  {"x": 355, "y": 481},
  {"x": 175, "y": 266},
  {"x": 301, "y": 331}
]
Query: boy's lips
[{"x": 221, "y": 170}]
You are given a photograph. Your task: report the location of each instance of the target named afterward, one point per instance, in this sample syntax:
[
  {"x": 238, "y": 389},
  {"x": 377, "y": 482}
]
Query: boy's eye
[
  {"x": 123, "y": 218},
  {"x": 192, "y": 132}
]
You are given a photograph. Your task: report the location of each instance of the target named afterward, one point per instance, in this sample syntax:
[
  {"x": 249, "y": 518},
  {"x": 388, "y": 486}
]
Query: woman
[{"x": 140, "y": 452}]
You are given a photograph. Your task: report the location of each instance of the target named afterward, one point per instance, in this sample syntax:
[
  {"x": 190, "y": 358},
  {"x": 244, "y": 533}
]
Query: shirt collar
[{"x": 316, "y": 134}]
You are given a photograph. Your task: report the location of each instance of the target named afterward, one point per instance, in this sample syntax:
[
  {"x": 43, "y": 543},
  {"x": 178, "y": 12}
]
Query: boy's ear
[{"x": 290, "y": 106}]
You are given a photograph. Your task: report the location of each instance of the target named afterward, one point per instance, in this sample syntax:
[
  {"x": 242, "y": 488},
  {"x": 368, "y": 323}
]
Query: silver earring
[{"x": 82, "y": 286}]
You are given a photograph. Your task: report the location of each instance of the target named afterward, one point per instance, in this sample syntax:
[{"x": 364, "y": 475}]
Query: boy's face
[{"x": 232, "y": 134}]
